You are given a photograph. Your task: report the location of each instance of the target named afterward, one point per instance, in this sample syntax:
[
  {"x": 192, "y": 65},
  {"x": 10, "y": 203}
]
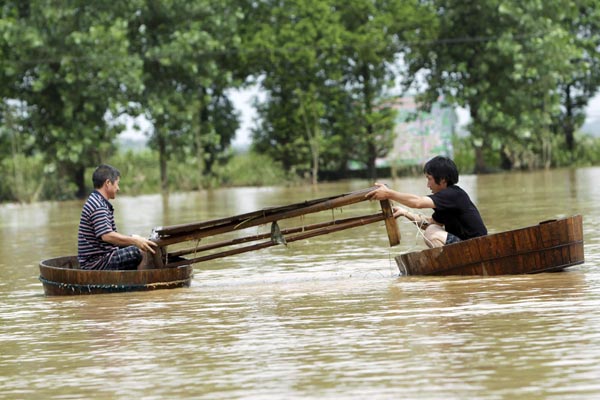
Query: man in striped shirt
[{"x": 99, "y": 244}]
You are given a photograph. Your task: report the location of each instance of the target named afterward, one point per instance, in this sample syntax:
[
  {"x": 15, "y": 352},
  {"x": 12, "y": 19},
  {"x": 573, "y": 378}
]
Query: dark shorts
[
  {"x": 452, "y": 239},
  {"x": 125, "y": 258}
]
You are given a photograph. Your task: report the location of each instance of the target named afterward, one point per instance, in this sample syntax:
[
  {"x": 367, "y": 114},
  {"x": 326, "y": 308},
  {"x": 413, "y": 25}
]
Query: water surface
[{"x": 325, "y": 318}]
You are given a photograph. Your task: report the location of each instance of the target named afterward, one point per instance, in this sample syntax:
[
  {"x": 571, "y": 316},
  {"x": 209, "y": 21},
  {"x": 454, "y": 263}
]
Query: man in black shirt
[{"x": 454, "y": 218}]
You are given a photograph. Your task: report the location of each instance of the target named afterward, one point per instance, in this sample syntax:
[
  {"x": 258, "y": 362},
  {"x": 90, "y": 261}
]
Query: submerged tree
[
  {"x": 186, "y": 48},
  {"x": 327, "y": 66},
  {"x": 503, "y": 62},
  {"x": 72, "y": 67},
  {"x": 376, "y": 33},
  {"x": 576, "y": 89},
  {"x": 295, "y": 50}
]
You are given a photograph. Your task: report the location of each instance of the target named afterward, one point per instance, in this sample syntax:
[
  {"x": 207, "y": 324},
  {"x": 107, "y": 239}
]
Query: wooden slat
[
  {"x": 391, "y": 224},
  {"x": 354, "y": 222},
  {"x": 200, "y": 230},
  {"x": 348, "y": 221},
  {"x": 342, "y": 199}
]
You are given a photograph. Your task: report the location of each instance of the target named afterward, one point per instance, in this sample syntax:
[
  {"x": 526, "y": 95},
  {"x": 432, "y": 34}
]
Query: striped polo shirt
[{"x": 97, "y": 219}]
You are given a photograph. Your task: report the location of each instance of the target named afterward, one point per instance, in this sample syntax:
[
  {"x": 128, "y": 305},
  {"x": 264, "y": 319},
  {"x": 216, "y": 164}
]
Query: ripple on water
[{"x": 327, "y": 319}]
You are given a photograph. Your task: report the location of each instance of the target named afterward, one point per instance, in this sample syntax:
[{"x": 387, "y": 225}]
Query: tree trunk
[
  {"x": 371, "y": 145},
  {"x": 79, "y": 178},
  {"x": 313, "y": 131},
  {"x": 162, "y": 160},
  {"x": 371, "y": 161},
  {"x": 478, "y": 141},
  {"x": 569, "y": 126},
  {"x": 480, "y": 166},
  {"x": 199, "y": 152},
  {"x": 506, "y": 162},
  {"x": 203, "y": 167}
]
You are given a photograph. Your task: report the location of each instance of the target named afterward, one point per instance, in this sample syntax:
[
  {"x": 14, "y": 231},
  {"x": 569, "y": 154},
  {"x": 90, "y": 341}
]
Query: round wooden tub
[{"x": 62, "y": 276}]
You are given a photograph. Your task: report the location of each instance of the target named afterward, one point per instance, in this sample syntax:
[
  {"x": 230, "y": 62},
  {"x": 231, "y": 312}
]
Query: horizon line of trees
[{"x": 70, "y": 70}]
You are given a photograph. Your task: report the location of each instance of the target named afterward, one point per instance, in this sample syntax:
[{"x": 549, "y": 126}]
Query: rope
[
  {"x": 403, "y": 271},
  {"x": 420, "y": 232},
  {"x": 401, "y": 267},
  {"x": 195, "y": 247}
]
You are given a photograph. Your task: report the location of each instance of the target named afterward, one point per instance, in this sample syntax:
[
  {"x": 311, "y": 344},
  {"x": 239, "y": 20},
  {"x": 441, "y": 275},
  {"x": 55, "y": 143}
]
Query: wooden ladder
[{"x": 194, "y": 232}]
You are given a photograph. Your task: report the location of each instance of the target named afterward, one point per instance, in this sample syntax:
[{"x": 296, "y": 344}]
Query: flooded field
[{"x": 325, "y": 318}]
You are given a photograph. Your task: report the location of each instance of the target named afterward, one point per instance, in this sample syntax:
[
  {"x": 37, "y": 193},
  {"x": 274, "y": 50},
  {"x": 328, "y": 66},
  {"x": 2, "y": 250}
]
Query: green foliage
[
  {"x": 586, "y": 154},
  {"x": 251, "y": 169},
  {"x": 68, "y": 70},
  {"x": 504, "y": 61},
  {"x": 464, "y": 156},
  {"x": 139, "y": 174},
  {"x": 300, "y": 40},
  {"x": 71, "y": 65},
  {"x": 576, "y": 89},
  {"x": 28, "y": 179},
  {"x": 55, "y": 186},
  {"x": 22, "y": 179},
  {"x": 184, "y": 48},
  {"x": 374, "y": 34},
  {"x": 326, "y": 67}
]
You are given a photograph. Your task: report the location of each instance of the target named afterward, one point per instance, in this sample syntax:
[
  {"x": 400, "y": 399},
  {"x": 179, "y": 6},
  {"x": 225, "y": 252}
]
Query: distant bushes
[
  {"x": 22, "y": 179},
  {"x": 30, "y": 179},
  {"x": 141, "y": 175},
  {"x": 586, "y": 153},
  {"x": 251, "y": 169}
]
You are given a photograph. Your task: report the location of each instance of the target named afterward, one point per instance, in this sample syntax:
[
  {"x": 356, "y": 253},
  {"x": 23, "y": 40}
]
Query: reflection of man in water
[
  {"x": 454, "y": 218},
  {"x": 100, "y": 246}
]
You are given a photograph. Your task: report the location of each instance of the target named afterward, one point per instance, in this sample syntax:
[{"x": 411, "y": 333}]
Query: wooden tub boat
[
  {"x": 549, "y": 246},
  {"x": 62, "y": 276}
]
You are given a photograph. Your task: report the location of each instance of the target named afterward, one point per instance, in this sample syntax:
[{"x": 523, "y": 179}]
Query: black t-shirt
[{"x": 455, "y": 210}]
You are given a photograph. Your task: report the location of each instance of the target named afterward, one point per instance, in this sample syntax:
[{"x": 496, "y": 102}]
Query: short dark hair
[
  {"x": 104, "y": 172},
  {"x": 439, "y": 168}
]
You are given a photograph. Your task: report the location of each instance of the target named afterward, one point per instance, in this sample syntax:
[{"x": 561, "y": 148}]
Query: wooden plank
[
  {"x": 261, "y": 217},
  {"x": 244, "y": 219},
  {"x": 355, "y": 222},
  {"x": 158, "y": 258},
  {"x": 391, "y": 225},
  {"x": 349, "y": 221}
]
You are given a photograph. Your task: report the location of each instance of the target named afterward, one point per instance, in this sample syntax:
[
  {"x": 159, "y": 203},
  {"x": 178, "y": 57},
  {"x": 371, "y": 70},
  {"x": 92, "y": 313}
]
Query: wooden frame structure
[{"x": 194, "y": 232}]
